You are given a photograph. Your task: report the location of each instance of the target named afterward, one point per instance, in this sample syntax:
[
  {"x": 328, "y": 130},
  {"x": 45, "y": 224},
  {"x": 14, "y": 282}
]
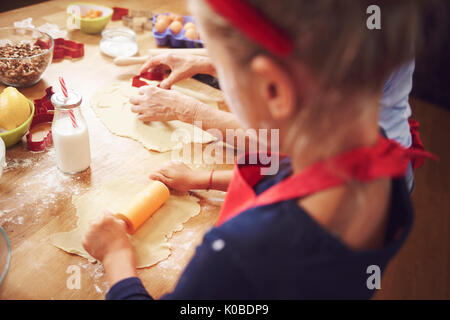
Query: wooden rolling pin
[
  {"x": 144, "y": 205},
  {"x": 154, "y": 52}
]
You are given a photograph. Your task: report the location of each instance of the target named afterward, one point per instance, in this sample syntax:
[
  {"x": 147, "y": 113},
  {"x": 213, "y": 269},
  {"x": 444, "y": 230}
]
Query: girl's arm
[
  {"x": 108, "y": 242},
  {"x": 213, "y": 273},
  {"x": 179, "y": 176}
]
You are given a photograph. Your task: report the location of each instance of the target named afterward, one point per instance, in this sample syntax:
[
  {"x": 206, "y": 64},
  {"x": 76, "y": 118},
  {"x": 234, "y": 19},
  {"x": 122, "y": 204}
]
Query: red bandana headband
[{"x": 255, "y": 25}]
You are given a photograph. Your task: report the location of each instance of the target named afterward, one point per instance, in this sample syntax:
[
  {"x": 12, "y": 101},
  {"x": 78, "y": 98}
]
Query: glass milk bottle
[{"x": 70, "y": 133}]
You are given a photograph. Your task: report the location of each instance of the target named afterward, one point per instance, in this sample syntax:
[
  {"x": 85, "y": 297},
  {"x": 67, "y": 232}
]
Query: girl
[
  {"x": 338, "y": 205},
  {"x": 393, "y": 118},
  {"x": 152, "y": 105}
]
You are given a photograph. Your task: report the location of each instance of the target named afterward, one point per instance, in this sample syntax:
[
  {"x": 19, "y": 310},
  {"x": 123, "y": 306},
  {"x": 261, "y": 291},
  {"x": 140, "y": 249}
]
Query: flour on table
[
  {"x": 150, "y": 241},
  {"x": 113, "y": 108}
]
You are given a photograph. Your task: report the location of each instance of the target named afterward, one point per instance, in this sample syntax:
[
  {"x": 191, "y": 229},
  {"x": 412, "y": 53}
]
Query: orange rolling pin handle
[{"x": 144, "y": 205}]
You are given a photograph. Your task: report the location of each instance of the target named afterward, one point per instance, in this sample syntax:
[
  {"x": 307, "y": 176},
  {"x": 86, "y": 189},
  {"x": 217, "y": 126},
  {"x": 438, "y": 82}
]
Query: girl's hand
[
  {"x": 107, "y": 241},
  {"x": 182, "y": 66},
  {"x": 106, "y": 236},
  {"x": 178, "y": 176},
  {"x": 155, "y": 104}
]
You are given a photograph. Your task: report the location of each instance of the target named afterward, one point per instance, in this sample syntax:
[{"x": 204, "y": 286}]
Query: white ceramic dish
[{"x": 118, "y": 42}]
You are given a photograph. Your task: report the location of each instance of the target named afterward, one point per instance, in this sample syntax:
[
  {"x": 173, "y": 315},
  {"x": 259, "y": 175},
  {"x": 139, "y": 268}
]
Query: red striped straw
[{"x": 66, "y": 94}]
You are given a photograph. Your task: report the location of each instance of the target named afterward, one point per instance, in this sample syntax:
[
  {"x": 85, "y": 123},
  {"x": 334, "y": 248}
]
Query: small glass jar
[
  {"x": 119, "y": 42},
  {"x": 70, "y": 133}
]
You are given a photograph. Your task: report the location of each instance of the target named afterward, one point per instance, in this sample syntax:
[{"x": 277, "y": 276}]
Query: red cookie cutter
[
  {"x": 43, "y": 113},
  {"x": 43, "y": 144},
  {"x": 153, "y": 75},
  {"x": 44, "y": 105},
  {"x": 67, "y": 48},
  {"x": 42, "y": 44},
  {"x": 118, "y": 13}
]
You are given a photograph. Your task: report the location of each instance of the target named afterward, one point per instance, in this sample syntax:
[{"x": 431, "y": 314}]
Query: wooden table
[{"x": 35, "y": 198}]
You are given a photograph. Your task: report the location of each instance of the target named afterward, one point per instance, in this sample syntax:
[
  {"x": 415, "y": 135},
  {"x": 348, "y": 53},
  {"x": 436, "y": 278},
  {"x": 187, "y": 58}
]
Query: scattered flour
[
  {"x": 166, "y": 264},
  {"x": 96, "y": 272},
  {"x": 97, "y": 288},
  {"x": 5, "y": 217},
  {"x": 18, "y": 163},
  {"x": 43, "y": 177}
]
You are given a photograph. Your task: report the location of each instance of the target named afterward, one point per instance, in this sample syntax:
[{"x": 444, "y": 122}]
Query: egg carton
[{"x": 168, "y": 38}]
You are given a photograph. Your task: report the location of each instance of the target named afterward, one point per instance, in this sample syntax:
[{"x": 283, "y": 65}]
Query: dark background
[
  {"x": 6, "y": 5},
  {"x": 431, "y": 77}
]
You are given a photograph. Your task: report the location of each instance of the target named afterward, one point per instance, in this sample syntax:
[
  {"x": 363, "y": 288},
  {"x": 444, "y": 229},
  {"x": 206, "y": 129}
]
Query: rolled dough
[
  {"x": 150, "y": 241},
  {"x": 112, "y": 106}
]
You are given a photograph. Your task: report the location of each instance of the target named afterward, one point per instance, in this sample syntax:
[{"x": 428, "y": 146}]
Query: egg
[
  {"x": 189, "y": 25},
  {"x": 162, "y": 25},
  {"x": 172, "y": 16},
  {"x": 160, "y": 17},
  {"x": 191, "y": 33},
  {"x": 179, "y": 19},
  {"x": 176, "y": 27}
]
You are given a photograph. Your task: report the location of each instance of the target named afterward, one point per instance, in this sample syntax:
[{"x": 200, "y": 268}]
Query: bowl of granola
[{"x": 25, "y": 54}]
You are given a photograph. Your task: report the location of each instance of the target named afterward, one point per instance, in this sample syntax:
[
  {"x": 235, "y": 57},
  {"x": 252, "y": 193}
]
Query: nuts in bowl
[{"x": 25, "y": 54}]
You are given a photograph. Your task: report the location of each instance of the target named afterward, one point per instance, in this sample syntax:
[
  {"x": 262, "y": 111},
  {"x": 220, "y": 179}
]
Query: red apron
[{"x": 387, "y": 159}]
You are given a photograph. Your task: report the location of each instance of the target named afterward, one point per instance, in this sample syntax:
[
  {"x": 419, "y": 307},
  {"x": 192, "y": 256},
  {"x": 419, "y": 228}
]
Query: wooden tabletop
[{"x": 35, "y": 198}]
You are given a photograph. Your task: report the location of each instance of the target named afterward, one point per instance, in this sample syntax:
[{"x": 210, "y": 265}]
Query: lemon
[{"x": 14, "y": 108}]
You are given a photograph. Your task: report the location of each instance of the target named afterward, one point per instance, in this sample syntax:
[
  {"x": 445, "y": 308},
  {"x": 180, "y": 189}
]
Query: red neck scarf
[{"x": 387, "y": 159}]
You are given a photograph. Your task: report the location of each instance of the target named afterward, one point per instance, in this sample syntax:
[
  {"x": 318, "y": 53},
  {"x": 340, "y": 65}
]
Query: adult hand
[
  {"x": 182, "y": 66},
  {"x": 155, "y": 104}
]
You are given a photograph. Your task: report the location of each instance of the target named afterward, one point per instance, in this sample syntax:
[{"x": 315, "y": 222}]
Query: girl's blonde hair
[{"x": 332, "y": 39}]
